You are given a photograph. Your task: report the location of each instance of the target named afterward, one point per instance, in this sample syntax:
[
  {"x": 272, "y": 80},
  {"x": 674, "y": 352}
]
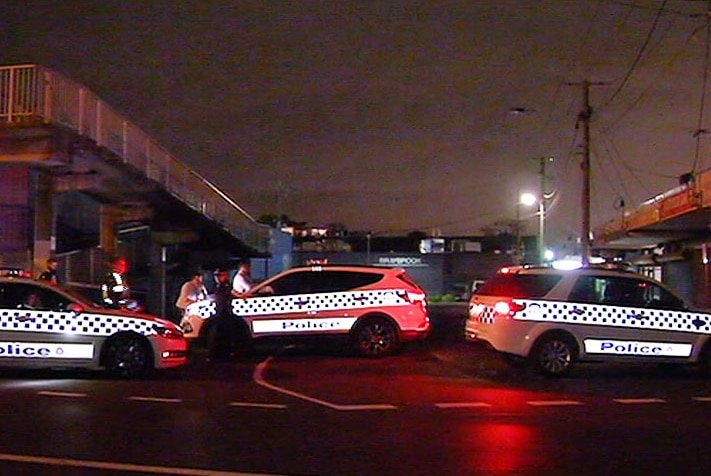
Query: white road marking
[
  {"x": 702, "y": 399},
  {"x": 553, "y": 403},
  {"x": 137, "y": 398},
  {"x": 80, "y": 463},
  {"x": 638, "y": 401},
  {"x": 462, "y": 405},
  {"x": 259, "y": 379},
  {"x": 49, "y": 393},
  {"x": 257, "y": 405}
]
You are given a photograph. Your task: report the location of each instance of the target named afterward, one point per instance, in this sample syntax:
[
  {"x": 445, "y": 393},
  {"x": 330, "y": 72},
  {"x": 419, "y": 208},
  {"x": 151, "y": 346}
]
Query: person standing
[
  {"x": 221, "y": 333},
  {"x": 115, "y": 291},
  {"x": 50, "y": 273},
  {"x": 242, "y": 282},
  {"x": 191, "y": 291}
]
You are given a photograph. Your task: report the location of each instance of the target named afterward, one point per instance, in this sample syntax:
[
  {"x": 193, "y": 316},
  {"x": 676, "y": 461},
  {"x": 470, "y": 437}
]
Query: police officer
[
  {"x": 115, "y": 291},
  {"x": 222, "y": 332}
]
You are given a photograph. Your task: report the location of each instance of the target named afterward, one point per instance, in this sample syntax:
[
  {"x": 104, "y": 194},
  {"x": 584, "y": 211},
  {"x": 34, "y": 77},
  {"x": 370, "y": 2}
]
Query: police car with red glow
[
  {"x": 376, "y": 308},
  {"x": 46, "y": 326},
  {"x": 555, "y": 318}
]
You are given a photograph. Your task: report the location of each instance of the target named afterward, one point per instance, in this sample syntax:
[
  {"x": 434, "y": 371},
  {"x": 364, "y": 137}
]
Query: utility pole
[{"x": 584, "y": 116}]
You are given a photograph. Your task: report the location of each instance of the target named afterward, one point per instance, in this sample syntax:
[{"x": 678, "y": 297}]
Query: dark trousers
[{"x": 221, "y": 336}]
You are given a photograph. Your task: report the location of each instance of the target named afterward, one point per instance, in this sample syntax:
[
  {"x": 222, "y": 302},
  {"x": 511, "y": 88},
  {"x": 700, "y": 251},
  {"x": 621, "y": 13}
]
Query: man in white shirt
[
  {"x": 192, "y": 291},
  {"x": 242, "y": 282}
]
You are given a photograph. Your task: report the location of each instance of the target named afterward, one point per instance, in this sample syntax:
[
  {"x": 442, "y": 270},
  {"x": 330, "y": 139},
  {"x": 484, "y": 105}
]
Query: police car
[
  {"x": 376, "y": 308},
  {"x": 46, "y": 326},
  {"x": 555, "y": 318}
]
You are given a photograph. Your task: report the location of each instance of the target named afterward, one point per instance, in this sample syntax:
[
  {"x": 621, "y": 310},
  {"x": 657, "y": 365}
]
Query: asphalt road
[{"x": 441, "y": 407}]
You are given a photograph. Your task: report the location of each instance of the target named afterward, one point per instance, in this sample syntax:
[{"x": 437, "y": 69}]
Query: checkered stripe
[
  {"x": 54, "y": 322},
  {"x": 612, "y": 316},
  {"x": 261, "y": 306}
]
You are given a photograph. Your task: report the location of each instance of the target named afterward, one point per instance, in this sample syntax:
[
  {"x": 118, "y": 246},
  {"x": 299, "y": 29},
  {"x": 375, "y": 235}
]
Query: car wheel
[
  {"x": 376, "y": 337},
  {"x": 554, "y": 355},
  {"x": 127, "y": 356},
  {"x": 705, "y": 359}
]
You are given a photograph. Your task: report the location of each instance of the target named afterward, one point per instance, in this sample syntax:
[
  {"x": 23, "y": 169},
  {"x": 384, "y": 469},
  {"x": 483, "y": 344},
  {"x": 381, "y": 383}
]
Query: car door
[
  {"x": 290, "y": 307},
  {"x": 627, "y": 317},
  {"x": 36, "y": 324}
]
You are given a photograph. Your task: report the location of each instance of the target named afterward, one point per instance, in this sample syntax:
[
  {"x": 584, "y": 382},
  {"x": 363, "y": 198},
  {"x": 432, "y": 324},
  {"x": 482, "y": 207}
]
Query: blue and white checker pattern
[
  {"x": 66, "y": 322},
  {"x": 262, "y": 306},
  {"x": 268, "y": 305},
  {"x": 608, "y": 315}
]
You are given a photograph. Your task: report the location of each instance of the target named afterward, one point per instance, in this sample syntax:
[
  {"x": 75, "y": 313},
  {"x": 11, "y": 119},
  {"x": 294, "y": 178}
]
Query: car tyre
[
  {"x": 553, "y": 355},
  {"x": 127, "y": 356},
  {"x": 376, "y": 337}
]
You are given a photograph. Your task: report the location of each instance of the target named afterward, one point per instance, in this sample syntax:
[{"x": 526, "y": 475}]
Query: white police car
[
  {"x": 46, "y": 326},
  {"x": 554, "y": 318},
  {"x": 378, "y": 308}
]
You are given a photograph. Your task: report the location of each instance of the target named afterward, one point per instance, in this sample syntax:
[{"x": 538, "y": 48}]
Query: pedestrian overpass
[{"x": 72, "y": 169}]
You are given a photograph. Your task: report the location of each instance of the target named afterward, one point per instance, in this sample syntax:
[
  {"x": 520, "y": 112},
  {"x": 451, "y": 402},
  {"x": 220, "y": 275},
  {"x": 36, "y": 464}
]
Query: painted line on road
[
  {"x": 448, "y": 405},
  {"x": 258, "y": 405},
  {"x": 702, "y": 399},
  {"x": 50, "y": 393},
  {"x": 553, "y": 403},
  {"x": 80, "y": 463},
  {"x": 258, "y": 378},
  {"x": 638, "y": 401},
  {"x": 137, "y": 398}
]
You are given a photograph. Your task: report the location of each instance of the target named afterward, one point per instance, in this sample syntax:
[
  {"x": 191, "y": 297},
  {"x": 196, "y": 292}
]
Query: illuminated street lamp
[
  {"x": 527, "y": 199},
  {"x": 530, "y": 199}
]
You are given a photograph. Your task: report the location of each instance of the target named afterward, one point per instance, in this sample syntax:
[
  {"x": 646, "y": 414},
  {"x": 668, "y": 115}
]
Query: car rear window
[
  {"x": 408, "y": 279},
  {"x": 519, "y": 285}
]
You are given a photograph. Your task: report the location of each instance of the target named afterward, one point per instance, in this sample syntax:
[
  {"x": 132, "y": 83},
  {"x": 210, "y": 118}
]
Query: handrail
[{"x": 33, "y": 93}]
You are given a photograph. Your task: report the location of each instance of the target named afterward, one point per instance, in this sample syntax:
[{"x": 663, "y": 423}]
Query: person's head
[
  {"x": 119, "y": 265},
  {"x": 196, "y": 277},
  {"x": 52, "y": 264},
  {"x": 222, "y": 275},
  {"x": 245, "y": 268},
  {"x": 34, "y": 300}
]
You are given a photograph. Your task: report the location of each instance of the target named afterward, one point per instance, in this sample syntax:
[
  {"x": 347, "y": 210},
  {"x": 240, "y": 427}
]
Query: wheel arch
[
  {"x": 556, "y": 332},
  {"x": 145, "y": 341},
  {"x": 545, "y": 330},
  {"x": 375, "y": 315}
]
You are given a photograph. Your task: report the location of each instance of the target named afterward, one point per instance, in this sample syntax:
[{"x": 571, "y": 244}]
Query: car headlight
[{"x": 168, "y": 332}]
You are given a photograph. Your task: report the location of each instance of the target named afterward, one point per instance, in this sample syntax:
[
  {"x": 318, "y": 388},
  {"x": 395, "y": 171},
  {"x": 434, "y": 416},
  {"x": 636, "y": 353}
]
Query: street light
[
  {"x": 530, "y": 199},
  {"x": 527, "y": 199}
]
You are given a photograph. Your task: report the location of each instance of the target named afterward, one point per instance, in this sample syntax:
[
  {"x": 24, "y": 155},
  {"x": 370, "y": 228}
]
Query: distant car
[
  {"x": 46, "y": 326},
  {"x": 555, "y": 318},
  {"x": 377, "y": 308}
]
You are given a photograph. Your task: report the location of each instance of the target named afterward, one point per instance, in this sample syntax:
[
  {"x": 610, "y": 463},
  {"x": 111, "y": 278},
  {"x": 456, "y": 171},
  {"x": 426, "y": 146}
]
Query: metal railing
[{"x": 32, "y": 93}]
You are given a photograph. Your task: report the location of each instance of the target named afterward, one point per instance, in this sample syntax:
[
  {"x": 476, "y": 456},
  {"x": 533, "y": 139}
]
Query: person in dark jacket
[
  {"x": 50, "y": 273},
  {"x": 222, "y": 331}
]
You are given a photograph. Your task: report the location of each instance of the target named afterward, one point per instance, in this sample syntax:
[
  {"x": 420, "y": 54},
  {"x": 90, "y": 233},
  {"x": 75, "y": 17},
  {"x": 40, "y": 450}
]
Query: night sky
[{"x": 397, "y": 115}]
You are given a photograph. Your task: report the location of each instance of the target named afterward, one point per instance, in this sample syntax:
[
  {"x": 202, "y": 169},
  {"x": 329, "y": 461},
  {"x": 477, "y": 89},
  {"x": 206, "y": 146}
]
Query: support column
[{"x": 44, "y": 220}]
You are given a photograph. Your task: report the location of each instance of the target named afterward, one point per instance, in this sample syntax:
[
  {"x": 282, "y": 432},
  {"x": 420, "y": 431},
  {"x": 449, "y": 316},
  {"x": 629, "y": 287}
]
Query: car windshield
[{"x": 519, "y": 285}]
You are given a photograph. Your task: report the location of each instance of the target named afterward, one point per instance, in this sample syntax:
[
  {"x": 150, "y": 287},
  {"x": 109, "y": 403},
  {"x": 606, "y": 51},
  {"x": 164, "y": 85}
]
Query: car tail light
[
  {"x": 415, "y": 298},
  {"x": 508, "y": 308}
]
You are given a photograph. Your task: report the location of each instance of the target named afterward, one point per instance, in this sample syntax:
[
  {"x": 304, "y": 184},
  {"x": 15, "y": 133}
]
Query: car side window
[
  {"x": 587, "y": 289},
  {"x": 335, "y": 281},
  {"x": 27, "y": 296},
  {"x": 308, "y": 282},
  {"x": 658, "y": 297},
  {"x": 294, "y": 283}
]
